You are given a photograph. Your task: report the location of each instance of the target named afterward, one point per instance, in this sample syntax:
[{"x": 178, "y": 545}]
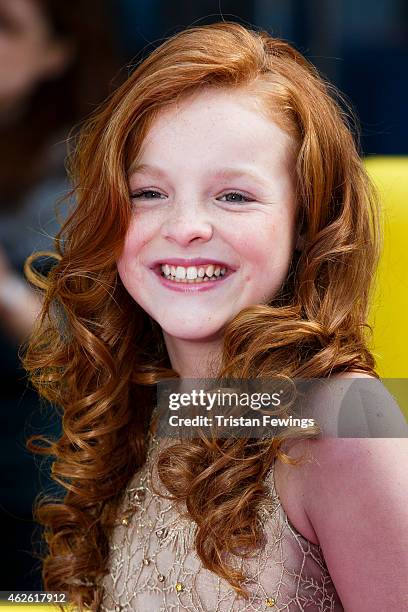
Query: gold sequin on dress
[{"x": 154, "y": 566}]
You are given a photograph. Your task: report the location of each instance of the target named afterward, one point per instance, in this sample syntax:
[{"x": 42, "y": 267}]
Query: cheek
[
  {"x": 126, "y": 267},
  {"x": 266, "y": 254},
  {"x": 266, "y": 242},
  {"x": 128, "y": 261}
]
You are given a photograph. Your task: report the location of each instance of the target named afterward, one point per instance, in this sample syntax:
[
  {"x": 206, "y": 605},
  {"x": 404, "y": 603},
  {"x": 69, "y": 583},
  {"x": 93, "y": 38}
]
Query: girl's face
[{"x": 213, "y": 196}]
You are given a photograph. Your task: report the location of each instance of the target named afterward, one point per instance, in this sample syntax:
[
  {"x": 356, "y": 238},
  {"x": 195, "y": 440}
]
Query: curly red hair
[{"x": 98, "y": 355}]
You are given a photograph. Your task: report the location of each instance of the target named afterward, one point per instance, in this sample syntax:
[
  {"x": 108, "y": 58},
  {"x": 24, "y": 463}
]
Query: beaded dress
[{"x": 153, "y": 566}]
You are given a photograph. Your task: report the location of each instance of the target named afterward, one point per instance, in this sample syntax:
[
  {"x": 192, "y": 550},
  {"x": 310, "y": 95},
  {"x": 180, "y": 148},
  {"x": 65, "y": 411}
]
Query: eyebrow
[{"x": 224, "y": 173}]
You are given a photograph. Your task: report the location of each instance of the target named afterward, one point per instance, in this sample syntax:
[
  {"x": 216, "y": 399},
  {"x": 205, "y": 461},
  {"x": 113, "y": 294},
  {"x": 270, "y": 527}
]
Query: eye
[
  {"x": 235, "y": 198},
  {"x": 147, "y": 194}
]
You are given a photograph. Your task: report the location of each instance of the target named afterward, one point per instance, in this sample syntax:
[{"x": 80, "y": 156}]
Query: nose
[{"x": 187, "y": 223}]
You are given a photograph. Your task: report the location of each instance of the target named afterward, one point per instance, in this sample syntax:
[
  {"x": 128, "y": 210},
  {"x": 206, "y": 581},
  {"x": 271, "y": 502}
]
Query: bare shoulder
[
  {"x": 351, "y": 497},
  {"x": 357, "y": 504},
  {"x": 291, "y": 481}
]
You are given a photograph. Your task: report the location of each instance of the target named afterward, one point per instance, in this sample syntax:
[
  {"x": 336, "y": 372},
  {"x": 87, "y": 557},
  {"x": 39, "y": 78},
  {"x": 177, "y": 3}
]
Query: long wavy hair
[{"x": 97, "y": 355}]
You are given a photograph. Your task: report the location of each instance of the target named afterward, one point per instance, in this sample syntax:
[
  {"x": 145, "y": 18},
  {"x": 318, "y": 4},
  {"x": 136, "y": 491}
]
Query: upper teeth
[{"x": 192, "y": 272}]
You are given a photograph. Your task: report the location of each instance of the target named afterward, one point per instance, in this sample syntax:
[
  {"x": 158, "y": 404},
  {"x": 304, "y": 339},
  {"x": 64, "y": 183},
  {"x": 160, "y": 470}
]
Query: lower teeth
[{"x": 190, "y": 280}]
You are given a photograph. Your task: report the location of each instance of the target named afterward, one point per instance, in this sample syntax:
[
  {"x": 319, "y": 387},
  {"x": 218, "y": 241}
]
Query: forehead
[{"x": 216, "y": 126}]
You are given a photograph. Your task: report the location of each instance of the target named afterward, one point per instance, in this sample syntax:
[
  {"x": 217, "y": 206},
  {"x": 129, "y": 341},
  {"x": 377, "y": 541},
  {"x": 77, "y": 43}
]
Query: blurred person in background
[{"x": 58, "y": 61}]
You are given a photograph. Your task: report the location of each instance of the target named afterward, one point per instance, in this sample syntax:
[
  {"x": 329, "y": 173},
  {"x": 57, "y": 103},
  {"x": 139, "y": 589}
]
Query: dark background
[{"x": 359, "y": 45}]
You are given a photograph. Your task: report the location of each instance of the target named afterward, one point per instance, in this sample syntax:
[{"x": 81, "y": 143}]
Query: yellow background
[{"x": 389, "y": 310}]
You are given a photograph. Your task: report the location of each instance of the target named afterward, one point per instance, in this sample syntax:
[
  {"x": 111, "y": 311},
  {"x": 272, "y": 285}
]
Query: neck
[{"x": 193, "y": 359}]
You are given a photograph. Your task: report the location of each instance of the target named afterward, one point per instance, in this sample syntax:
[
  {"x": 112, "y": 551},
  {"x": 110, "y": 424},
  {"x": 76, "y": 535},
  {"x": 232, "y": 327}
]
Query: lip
[
  {"x": 190, "y": 287},
  {"x": 195, "y": 261}
]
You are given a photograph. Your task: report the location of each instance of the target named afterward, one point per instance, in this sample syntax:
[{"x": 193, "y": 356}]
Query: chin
[{"x": 193, "y": 333}]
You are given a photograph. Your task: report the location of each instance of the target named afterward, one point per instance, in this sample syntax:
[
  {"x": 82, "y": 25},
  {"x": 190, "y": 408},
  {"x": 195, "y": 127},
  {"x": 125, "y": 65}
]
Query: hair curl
[{"x": 98, "y": 355}]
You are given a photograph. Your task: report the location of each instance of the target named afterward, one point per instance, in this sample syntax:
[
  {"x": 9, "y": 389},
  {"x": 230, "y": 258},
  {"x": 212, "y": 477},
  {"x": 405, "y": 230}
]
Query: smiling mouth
[{"x": 192, "y": 274}]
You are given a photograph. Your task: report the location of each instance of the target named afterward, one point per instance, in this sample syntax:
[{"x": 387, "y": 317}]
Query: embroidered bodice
[{"x": 154, "y": 566}]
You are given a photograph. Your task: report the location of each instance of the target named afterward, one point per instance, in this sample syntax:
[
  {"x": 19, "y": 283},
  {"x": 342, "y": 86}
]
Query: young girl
[{"x": 224, "y": 227}]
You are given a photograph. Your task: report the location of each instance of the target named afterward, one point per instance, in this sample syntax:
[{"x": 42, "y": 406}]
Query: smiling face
[{"x": 213, "y": 184}]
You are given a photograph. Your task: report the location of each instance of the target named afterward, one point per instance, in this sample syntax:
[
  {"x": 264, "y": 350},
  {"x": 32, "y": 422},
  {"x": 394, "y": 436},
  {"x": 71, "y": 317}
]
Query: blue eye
[
  {"x": 147, "y": 194},
  {"x": 235, "y": 198}
]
